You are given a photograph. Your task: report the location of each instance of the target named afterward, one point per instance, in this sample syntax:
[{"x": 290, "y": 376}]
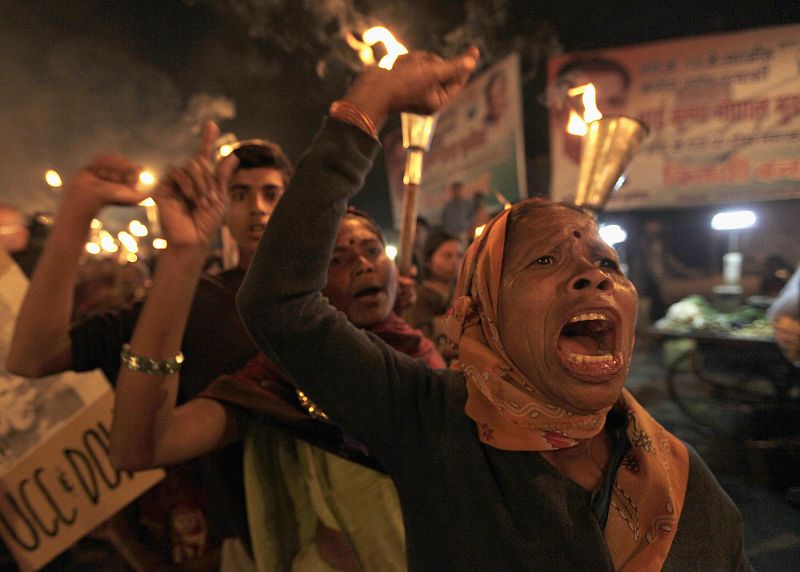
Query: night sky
[{"x": 80, "y": 76}]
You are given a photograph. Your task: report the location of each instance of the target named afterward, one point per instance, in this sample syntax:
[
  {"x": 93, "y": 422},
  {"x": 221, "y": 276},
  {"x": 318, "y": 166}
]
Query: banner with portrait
[
  {"x": 478, "y": 143},
  {"x": 723, "y": 112},
  {"x": 56, "y": 480}
]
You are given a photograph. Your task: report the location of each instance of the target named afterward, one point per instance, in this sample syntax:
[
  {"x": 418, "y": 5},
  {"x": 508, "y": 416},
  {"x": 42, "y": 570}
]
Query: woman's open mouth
[
  {"x": 587, "y": 345},
  {"x": 255, "y": 231},
  {"x": 368, "y": 294}
]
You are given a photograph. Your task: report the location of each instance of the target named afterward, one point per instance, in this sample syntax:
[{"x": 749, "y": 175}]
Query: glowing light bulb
[{"x": 733, "y": 220}]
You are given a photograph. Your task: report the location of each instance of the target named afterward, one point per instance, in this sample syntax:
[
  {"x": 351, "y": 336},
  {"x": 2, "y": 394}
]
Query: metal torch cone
[
  {"x": 417, "y": 137},
  {"x": 606, "y": 150}
]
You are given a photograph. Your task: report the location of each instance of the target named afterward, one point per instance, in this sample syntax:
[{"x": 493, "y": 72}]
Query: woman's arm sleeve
[{"x": 361, "y": 383}]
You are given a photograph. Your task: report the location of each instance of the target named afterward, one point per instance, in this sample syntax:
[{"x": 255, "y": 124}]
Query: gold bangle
[
  {"x": 345, "y": 111},
  {"x": 310, "y": 406},
  {"x": 148, "y": 365}
]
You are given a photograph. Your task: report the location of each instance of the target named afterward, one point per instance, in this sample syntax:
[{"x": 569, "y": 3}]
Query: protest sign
[{"x": 56, "y": 480}]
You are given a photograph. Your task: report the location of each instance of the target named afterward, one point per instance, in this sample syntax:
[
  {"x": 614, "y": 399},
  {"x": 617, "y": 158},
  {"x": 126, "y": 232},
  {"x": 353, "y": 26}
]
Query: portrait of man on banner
[{"x": 476, "y": 163}]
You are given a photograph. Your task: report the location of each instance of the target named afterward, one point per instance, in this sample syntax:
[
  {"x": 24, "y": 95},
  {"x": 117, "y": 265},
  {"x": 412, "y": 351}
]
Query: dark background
[{"x": 78, "y": 76}]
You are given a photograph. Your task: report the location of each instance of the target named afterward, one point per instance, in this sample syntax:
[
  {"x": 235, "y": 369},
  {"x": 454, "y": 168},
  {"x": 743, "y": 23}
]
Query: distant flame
[
  {"x": 52, "y": 178},
  {"x": 147, "y": 178},
  {"x": 128, "y": 242},
  {"x": 577, "y": 124},
  {"x": 107, "y": 242},
  {"x": 137, "y": 229},
  {"x": 394, "y": 49}
]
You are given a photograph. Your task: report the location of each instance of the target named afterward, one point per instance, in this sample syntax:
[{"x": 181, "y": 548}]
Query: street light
[
  {"x": 733, "y": 221},
  {"x": 613, "y": 234}
]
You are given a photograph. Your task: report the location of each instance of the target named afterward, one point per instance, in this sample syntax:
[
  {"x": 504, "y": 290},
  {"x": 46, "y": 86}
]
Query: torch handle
[{"x": 408, "y": 228}]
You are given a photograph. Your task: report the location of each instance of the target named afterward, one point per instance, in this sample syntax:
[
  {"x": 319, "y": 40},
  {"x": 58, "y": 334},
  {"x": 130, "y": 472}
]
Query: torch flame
[
  {"x": 577, "y": 124},
  {"x": 394, "y": 49},
  {"x": 364, "y": 51},
  {"x": 52, "y": 178},
  {"x": 107, "y": 242},
  {"x": 137, "y": 229},
  {"x": 147, "y": 178},
  {"x": 128, "y": 242}
]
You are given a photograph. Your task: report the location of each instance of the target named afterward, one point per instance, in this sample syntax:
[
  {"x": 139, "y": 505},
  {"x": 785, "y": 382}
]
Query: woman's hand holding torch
[{"x": 419, "y": 84}]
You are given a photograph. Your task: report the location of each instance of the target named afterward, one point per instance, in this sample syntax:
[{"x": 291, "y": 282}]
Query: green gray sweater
[{"x": 466, "y": 506}]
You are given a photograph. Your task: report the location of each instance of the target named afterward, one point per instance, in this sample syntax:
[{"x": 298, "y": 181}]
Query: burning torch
[
  {"x": 607, "y": 147},
  {"x": 417, "y": 136}
]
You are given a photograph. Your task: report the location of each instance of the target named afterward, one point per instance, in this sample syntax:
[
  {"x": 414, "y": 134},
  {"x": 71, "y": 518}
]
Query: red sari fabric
[{"x": 263, "y": 389}]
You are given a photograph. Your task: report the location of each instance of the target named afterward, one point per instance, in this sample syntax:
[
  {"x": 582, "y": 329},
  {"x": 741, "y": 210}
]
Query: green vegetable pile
[{"x": 695, "y": 313}]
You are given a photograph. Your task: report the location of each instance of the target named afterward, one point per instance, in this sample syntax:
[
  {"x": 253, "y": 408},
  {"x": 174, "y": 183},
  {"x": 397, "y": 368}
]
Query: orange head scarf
[{"x": 511, "y": 414}]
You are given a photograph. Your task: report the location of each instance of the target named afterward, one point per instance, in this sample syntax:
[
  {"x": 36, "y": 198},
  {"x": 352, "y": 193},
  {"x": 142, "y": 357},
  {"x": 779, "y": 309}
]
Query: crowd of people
[{"x": 317, "y": 412}]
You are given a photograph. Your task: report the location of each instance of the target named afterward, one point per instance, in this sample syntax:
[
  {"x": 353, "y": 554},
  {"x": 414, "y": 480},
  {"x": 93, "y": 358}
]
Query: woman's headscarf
[{"x": 512, "y": 414}]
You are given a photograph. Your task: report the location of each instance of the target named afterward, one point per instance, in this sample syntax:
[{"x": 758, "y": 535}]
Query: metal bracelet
[{"x": 148, "y": 365}]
